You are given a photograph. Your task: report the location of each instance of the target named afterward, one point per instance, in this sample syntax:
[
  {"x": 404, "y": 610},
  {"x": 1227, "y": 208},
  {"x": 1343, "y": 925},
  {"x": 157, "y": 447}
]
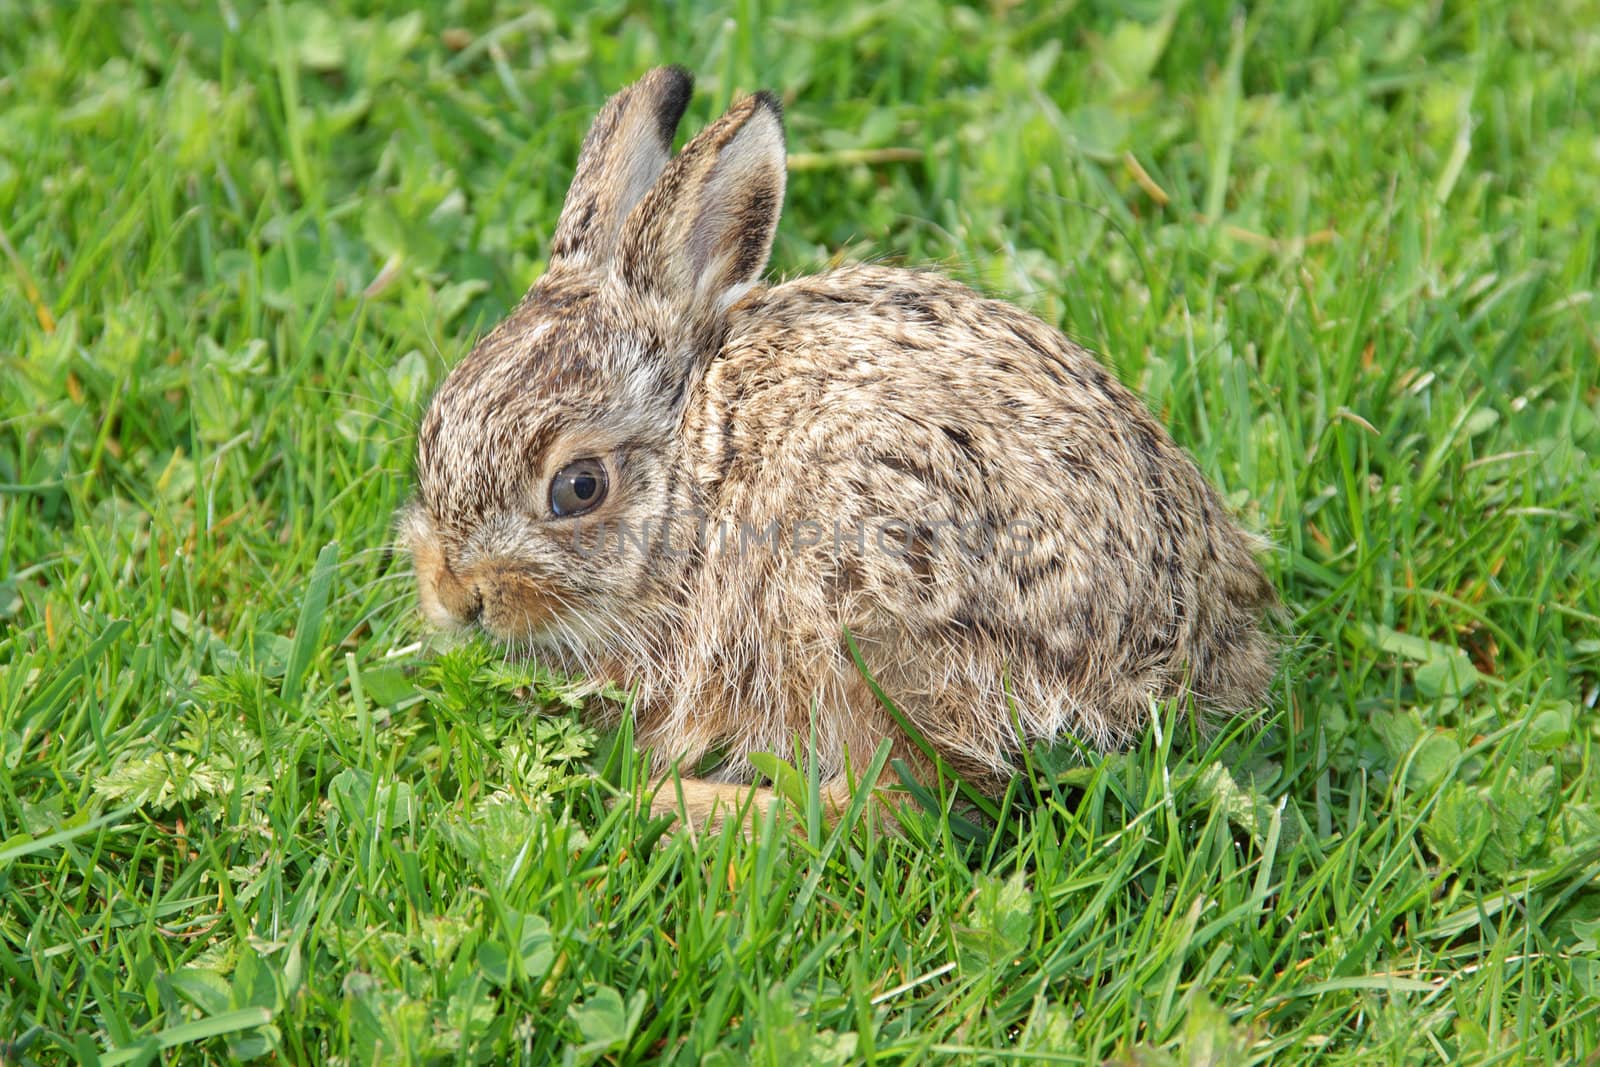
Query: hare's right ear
[
  {"x": 626, "y": 149},
  {"x": 701, "y": 237}
]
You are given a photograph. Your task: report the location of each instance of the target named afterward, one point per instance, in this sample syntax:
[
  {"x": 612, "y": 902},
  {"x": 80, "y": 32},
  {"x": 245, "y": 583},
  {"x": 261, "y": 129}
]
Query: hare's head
[{"x": 550, "y": 456}]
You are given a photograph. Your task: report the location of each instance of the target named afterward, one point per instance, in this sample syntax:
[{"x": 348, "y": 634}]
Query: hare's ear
[
  {"x": 700, "y": 238},
  {"x": 624, "y": 153}
]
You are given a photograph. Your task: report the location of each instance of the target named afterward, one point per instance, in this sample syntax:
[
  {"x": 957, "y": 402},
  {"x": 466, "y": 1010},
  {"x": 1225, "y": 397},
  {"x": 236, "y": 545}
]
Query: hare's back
[
  {"x": 899, "y": 377},
  {"x": 1023, "y": 480}
]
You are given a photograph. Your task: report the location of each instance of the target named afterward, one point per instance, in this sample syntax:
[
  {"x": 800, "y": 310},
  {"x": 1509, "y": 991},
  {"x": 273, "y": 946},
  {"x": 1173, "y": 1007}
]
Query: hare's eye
[{"x": 578, "y": 487}]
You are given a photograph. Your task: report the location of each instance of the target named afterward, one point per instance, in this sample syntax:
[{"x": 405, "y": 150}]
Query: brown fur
[{"x": 857, "y": 397}]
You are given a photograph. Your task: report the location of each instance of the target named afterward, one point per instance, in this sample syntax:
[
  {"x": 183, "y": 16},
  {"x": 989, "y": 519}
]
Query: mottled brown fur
[{"x": 844, "y": 399}]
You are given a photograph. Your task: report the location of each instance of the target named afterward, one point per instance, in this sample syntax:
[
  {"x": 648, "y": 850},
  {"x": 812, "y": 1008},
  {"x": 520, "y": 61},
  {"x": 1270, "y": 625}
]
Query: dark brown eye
[{"x": 578, "y": 487}]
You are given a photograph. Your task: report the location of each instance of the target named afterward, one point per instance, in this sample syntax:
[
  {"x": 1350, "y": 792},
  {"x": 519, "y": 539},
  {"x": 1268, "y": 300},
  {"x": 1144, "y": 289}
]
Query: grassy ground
[{"x": 1348, "y": 250}]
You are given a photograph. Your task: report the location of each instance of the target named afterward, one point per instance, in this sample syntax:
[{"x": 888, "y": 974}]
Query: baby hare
[{"x": 660, "y": 471}]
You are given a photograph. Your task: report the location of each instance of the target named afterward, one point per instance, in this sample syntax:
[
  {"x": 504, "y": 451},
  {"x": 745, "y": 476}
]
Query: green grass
[{"x": 1347, "y": 248}]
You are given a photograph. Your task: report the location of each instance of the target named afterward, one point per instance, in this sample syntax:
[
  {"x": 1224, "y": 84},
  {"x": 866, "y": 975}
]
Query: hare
[{"x": 659, "y": 471}]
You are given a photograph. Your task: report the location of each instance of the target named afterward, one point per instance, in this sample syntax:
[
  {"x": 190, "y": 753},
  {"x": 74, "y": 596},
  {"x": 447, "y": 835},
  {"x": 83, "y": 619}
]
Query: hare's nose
[
  {"x": 461, "y": 600},
  {"x": 466, "y": 605}
]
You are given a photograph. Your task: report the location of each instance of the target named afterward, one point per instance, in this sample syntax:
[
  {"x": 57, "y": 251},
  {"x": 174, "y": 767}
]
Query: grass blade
[{"x": 308, "y": 632}]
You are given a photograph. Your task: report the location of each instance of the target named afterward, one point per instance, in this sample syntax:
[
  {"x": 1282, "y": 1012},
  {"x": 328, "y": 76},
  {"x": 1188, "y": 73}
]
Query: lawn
[{"x": 1347, "y": 249}]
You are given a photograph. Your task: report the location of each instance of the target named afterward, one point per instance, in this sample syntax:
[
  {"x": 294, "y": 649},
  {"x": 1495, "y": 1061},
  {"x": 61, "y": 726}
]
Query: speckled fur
[{"x": 846, "y": 398}]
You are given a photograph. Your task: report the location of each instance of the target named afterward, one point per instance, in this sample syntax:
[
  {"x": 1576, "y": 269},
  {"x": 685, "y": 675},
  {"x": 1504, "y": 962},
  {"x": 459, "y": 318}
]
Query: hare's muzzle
[
  {"x": 458, "y": 600},
  {"x": 502, "y": 599},
  {"x": 448, "y": 601}
]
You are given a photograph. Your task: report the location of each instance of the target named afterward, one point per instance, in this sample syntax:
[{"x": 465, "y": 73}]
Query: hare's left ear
[{"x": 701, "y": 236}]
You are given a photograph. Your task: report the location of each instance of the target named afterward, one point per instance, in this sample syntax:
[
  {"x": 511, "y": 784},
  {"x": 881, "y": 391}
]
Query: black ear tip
[
  {"x": 676, "y": 86},
  {"x": 679, "y": 73},
  {"x": 768, "y": 99}
]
